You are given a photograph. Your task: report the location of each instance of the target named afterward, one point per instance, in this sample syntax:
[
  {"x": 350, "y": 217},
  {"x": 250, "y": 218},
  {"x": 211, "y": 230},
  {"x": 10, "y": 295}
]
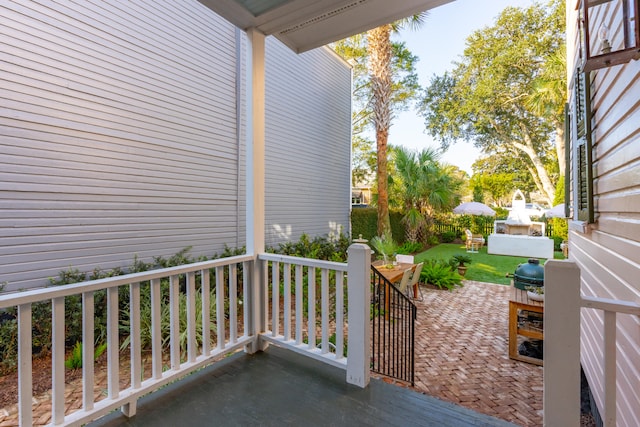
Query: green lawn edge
[{"x": 484, "y": 267}]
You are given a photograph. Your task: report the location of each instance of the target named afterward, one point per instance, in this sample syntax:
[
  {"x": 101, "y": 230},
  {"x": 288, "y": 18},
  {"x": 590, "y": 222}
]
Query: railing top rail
[
  {"x": 41, "y": 294},
  {"x": 339, "y": 266},
  {"x": 606, "y": 304}
]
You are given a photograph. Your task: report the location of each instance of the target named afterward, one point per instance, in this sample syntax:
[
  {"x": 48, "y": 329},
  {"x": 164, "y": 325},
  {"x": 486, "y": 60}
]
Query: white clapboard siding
[
  {"x": 118, "y": 135},
  {"x": 608, "y": 252},
  {"x": 123, "y": 130},
  {"x": 308, "y": 150}
]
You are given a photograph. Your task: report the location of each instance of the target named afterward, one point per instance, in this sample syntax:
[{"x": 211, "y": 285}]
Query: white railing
[
  {"x": 305, "y": 309},
  {"x": 188, "y": 288},
  {"x": 563, "y": 303},
  {"x": 306, "y": 301}
]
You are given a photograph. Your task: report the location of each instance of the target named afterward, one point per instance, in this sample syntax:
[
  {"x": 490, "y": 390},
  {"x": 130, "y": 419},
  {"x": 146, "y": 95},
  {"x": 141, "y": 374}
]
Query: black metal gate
[{"x": 393, "y": 318}]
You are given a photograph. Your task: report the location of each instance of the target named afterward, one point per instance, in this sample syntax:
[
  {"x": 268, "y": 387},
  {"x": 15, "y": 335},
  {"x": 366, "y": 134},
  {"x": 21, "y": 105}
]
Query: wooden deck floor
[{"x": 278, "y": 387}]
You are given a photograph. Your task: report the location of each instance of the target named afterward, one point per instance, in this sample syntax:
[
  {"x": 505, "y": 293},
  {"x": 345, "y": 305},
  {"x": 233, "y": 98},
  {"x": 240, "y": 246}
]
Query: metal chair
[
  {"x": 406, "y": 276},
  {"x": 404, "y": 259}
]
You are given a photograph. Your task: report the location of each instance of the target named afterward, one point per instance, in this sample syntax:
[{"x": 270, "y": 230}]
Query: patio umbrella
[
  {"x": 474, "y": 208},
  {"x": 556, "y": 212}
]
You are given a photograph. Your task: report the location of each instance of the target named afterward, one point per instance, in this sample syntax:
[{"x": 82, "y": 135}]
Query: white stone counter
[{"x": 517, "y": 245}]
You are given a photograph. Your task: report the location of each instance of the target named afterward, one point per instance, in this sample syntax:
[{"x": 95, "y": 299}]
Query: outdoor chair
[
  {"x": 415, "y": 279},
  {"x": 404, "y": 282},
  {"x": 404, "y": 259},
  {"x": 473, "y": 240}
]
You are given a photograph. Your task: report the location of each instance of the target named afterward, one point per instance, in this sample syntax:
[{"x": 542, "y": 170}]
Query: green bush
[
  {"x": 438, "y": 272},
  {"x": 74, "y": 361},
  {"x": 448, "y": 237},
  {"x": 410, "y": 248},
  {"x": 364, "y": 221}
]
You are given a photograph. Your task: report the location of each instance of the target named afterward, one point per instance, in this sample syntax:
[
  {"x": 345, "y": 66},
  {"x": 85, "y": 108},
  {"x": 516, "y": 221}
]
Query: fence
[{"x": 484, "y": 229}]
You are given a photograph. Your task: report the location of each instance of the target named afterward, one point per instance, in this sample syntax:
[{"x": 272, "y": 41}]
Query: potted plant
[
  {"x": 386, "y": 247},
  {"x": 460, "y": 260},
  {"x": 536, "y": 293}
]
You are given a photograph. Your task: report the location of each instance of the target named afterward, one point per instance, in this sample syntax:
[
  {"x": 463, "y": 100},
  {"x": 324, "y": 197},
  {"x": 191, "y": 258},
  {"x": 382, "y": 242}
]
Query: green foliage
[
  {"x": 165, "y": 318},
  {"x": 364, "y": 221},
  {"x": 384, "y": 246},
  {"x": 462, "y": 259},
  {"x": 487, "y": 96},
  {"x": 438, "y": 272},
  {"x": 410, "y": 248},
  {"x": 448, "y": 236},
  {"x": 74, "y": 360},
  {"x": 321, "y": 247}
]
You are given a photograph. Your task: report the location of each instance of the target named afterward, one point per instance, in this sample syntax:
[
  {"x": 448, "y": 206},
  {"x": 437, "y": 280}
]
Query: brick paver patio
[{"x": 462, "y": 354}]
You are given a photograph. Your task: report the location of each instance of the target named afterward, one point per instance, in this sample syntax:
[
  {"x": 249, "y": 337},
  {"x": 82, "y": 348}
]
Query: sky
[{"x": 439, "y": 42}]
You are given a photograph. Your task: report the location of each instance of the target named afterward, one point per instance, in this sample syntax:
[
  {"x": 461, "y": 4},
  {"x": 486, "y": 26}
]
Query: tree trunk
[{"x": 379, "y": 47}]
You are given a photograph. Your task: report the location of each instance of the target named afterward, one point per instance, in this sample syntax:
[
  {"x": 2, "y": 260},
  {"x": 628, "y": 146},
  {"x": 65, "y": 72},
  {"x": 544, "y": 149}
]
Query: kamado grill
[{"x": 529, "y": 274}]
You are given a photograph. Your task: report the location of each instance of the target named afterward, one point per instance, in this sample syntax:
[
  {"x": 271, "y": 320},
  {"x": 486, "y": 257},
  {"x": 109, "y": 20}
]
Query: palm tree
[
  {"x": 380, "y": 52},
  {"x": 427, "y": 187}
]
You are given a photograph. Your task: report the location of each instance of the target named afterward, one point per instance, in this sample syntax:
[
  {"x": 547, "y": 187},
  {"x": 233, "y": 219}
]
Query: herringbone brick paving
[{"x": 462, "y": 354}]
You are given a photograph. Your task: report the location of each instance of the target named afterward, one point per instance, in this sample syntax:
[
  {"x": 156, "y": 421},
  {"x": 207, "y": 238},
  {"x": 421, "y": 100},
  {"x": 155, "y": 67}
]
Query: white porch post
[
  {"x": 255, "y": 177},
  {"x": 561, "y": 344},
  {"x": 359, "y": 294}
]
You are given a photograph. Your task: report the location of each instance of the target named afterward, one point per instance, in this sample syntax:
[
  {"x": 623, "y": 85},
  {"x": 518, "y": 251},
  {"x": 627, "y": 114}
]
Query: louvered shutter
[{"x": 583, "y": 178}]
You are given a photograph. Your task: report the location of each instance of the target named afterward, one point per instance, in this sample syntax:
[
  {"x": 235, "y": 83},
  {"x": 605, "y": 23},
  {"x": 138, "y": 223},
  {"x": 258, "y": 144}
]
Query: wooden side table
[{"x": 521, "y": 302}]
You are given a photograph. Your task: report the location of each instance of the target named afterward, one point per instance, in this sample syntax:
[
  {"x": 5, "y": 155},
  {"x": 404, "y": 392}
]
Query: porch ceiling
[{"x": 307, "y": 24}]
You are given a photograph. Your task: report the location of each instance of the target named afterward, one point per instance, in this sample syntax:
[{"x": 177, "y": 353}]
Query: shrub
[
  {"x": 410, "y": 248},
  {"x": 438, "y": 272},
  {"x": 74, "y": 361},
  {"x": 461, "y": 259},
  {"x": 448, "y": 237}
]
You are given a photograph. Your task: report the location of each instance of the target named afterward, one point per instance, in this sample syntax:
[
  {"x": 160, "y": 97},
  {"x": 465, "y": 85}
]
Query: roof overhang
[{"x": 306, "y": 24}]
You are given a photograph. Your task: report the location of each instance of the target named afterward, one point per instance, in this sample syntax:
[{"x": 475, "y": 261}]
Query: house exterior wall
[
  {"x": 122, "y": 132},
  {"x": 607, "y": 249},
  {"x": 308, "y": 133}
]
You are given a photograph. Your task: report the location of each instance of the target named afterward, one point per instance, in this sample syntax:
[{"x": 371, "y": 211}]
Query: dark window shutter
[
  {"x": 583, "y": 184},
  {"x": 567, "y": 162}
]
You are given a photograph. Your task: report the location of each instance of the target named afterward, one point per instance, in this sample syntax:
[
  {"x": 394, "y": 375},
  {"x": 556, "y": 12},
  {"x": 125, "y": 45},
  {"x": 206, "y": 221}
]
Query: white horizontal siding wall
[
  {"x": 118, "y": 135},
  {"x": 308, "y": 130},
  {"x": 608, "y": 252}
]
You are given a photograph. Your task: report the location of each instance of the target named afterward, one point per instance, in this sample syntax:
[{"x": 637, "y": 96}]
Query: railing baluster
[
  {"x": 88, "y": 324},
  {"x": 113, "y": 344},
  {"x": 134, "y": 333},
  {"x": 339, "y": 315},
  {"x": 275, "y": 298},
  {"x": 299, "y": 311},
  {"x": 156, "y": 329},
  {"x": 311, "y": 318},
  {"x": 25, "y": 387},
  {"x": 205, "y": 288},
  {"x": 610, "y": 368},
  {"x": 174, "y": 329},
  {"x": 192, "y": 347},
  {"x": 57, "y": 360},
  {"x": 220, "y": 326},
  {"x": 233, "y": 304},
  {"x": 324, "y": 291},
  {"x": 287, "y": 302}
]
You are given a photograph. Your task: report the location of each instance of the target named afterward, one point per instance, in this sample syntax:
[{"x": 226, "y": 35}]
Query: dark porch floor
[{"x": 279, "y": 387}]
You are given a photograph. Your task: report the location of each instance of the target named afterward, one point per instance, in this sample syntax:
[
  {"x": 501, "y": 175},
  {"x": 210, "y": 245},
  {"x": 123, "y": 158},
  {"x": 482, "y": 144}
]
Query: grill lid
[{"x": 529, "y": 274}]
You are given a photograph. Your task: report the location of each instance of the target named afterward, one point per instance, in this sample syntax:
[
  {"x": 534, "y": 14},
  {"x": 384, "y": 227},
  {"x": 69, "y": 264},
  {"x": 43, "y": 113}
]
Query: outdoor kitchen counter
[
  {"x": 520, "y": 301},
  {"x": 520, "y": 245}
]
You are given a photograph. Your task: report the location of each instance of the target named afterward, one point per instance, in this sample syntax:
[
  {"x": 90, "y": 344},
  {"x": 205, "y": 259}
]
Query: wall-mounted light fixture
[{"x": 609, "y": 31}]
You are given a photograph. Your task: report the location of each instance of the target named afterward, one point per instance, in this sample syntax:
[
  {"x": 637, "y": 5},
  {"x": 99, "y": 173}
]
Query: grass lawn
[{"x": 484, "y": 267}]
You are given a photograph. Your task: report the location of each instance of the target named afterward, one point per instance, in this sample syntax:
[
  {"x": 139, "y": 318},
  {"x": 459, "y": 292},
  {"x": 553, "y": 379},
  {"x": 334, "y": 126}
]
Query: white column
[
  {"x": 255, "y": 216},
  {"x": 562, "y": 303},
  {"x": 359, "y": 312}
]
